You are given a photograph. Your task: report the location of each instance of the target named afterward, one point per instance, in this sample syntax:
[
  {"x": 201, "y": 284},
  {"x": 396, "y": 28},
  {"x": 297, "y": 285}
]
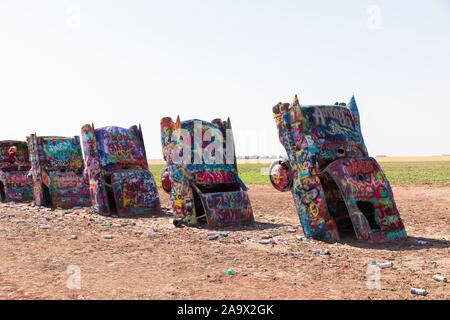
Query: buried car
[
  {"x": 15, "y": 184},
  {"x": 57, "y": 169},
  {"x": 339, "y": 191},
  {"x": 202, "y": 176},
  {"x": 119, "y": 178}
]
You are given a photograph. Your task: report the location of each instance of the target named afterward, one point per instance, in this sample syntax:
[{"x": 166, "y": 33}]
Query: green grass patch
[
  {"x": 157, "y": 171},
  {"x": 433, "y": 173},
  {"x": 254, "y": 173}
]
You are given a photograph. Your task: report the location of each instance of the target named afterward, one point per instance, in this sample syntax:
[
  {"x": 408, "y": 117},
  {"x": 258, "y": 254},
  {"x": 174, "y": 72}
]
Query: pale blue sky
[{"x": 129, "y": 62}]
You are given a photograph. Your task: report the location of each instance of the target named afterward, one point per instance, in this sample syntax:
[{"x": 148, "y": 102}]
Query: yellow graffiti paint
[{"x": 313, "y": 210}]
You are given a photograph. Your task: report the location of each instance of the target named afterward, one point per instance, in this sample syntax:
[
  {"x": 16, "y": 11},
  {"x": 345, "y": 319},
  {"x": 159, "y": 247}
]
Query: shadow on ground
[
  {"x": 251, "y": 227},
  {"x": 411, "y": 243}
]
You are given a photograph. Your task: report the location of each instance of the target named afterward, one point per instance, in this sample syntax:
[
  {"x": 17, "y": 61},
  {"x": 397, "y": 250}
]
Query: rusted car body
[
  {"x": 15, "y": 184},
  {"x": 339, "y": 191},
  {"x": 206, "y": 189},
  {"x": 120, "y": 181},
  {"x": 57, "y": 169}
]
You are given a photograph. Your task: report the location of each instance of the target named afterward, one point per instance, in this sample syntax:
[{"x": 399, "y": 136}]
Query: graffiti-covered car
[
  {"x": 120, "y": 181},
  {"x": 202, "y": 175},
  {"x": 15, "y": 184},
  {"x": 57, "y": 169},
  {"x": 339, "y": 191}
]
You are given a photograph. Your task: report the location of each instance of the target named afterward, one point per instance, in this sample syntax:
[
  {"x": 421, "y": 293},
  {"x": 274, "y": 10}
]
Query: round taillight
[
  {"x": 280, "y": 176},
  {"x": 165, "y": 181}
]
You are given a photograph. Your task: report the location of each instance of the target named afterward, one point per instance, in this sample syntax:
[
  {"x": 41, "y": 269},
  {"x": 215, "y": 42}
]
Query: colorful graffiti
[
  {"x": 338, "y": 189},
  {"x": 62, "y": 153},
  {"x": 118, "y": 146},
  {"x": 57, "y": 170},
  {"x": 15, "y": 185},
  {"x": 205, "y": 186},
  {"x": 116, "y": 166}
]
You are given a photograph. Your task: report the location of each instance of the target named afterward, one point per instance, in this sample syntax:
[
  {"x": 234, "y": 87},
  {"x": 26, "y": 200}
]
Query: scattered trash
[
  {"x": 373, "y": 276},
  {"x": 73, "y": 237},
  {"x": 324, "y": 252},
  {"x": 230, "y": 272},
  {"x": 108, "y": 236},
  {"x": 107, "y": 223},
  {"x": 440, "y": 278},
  {"x": 422, "y": 243},
  {"x": 178, "y": 223},
  {"x": 419, "y": 292},
  {"x": 386, "y": 265},
  {"x": 284, "y": 240},
  {"x": 44, "y": 227},
  {"x": 276, "y": 234},
  {"x": 213, "y": 237},
  {"x": 267, "y": 241}
]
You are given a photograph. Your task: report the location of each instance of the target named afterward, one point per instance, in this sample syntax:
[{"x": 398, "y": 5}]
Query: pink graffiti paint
[
  {"x": 338, "y": 189},
  {"x": 117, "y": 169},
  {"x": 202, "y": 176},
  {"x": 15, "y": 184}
]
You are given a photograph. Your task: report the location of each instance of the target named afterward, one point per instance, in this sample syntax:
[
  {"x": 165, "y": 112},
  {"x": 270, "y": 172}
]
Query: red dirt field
[{"x": 151, "y": 259}]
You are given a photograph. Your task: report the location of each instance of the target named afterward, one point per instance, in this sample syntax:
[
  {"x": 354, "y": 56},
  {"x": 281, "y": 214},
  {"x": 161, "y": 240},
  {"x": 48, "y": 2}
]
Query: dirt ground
[{"x": 151, "y": 259}]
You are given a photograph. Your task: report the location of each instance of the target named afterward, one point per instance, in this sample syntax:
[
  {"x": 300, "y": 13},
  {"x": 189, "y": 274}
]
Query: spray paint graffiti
[
  {"x": 57, "y": 169},
  {"x": 119, "y": 179},
  {"x": 15, "y": 185},
  {"x": 338, "y": 189},
  {"x": 202, "y": 175}
]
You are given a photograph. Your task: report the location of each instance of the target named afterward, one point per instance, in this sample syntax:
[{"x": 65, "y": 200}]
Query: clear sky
[{"x": 66, "y": 63}]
